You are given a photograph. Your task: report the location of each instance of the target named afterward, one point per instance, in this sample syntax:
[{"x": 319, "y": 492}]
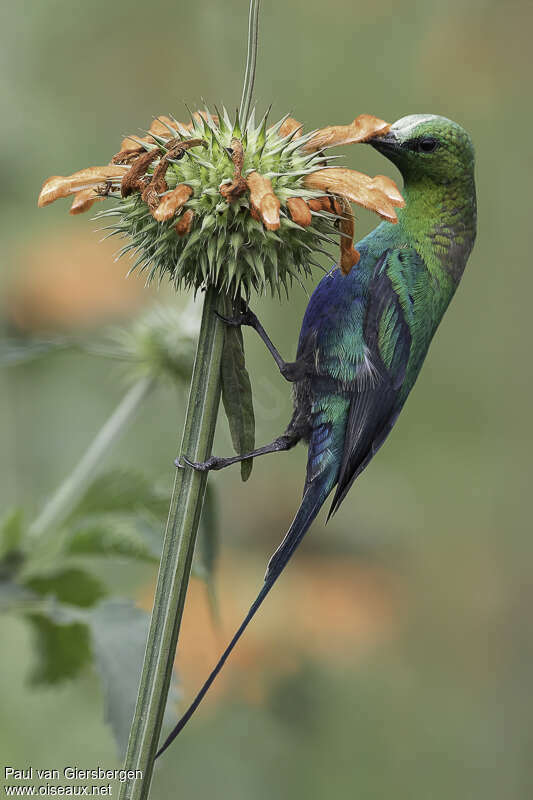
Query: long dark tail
[{"x": 312, "y": 501}]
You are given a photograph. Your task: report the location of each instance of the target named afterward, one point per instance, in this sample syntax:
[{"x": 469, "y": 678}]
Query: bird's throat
[{"x": 441, "y": 219}]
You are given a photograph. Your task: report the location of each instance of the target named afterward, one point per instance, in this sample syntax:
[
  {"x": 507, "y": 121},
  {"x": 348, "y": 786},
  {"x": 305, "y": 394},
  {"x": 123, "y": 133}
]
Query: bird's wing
[
  {"x": 331, "y": 338},
  {"x": 375, "y": 401}
]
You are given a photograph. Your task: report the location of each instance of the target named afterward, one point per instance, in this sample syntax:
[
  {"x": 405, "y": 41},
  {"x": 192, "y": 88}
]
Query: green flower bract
[{"x": 226, "y": 246}]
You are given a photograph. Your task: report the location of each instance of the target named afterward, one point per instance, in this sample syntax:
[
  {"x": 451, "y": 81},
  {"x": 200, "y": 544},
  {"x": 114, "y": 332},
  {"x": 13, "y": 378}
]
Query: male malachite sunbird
[{"x": 365, "y": 335}]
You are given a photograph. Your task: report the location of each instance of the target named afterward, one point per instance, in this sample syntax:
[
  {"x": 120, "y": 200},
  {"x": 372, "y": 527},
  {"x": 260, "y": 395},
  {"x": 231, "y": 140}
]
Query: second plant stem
[{"x": 63, "y": 501}]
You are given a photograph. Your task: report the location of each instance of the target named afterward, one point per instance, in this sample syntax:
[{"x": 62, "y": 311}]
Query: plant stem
[
  {"x": 251, "y": 60},
  {"x": 63, "y": 501},
  {"x": 178, "y": 549}
]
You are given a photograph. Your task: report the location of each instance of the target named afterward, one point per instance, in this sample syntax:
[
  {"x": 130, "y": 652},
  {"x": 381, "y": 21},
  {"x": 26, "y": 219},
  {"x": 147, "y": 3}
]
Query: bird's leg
[
  {"x": 291, "y": 370},
  {"x": 284, "y": 442}
]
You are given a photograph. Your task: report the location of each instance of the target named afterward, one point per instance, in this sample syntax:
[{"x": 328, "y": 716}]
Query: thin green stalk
[
  {"x": 72, "y": 488},
  {"x": 251, "y": 60},
  {"x": 178, "y": 549},
  {"x": 184, "y": 516}
]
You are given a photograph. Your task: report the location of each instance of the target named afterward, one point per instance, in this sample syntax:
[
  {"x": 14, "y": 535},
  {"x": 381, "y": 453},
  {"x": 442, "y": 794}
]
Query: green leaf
[
  {"x": 11, "y": 532},
  {"x": 71, "y": 585},
  {"x": 119, "y": 536},
  {"x": 121, "y": 491},
  {"x": 62, "y": 650},
  {"x": 237, "y": 393},
  {"x": 118, "y": 632}
]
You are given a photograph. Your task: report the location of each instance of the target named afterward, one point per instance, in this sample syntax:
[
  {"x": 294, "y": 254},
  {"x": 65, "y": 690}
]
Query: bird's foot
[
  {"x": 200, "y": 466},
  {"x": 246, "y": 318}
]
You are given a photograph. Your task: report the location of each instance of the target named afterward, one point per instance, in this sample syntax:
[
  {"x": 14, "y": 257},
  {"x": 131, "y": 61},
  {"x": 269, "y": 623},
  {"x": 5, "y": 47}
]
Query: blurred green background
[{"x": 396, "y": 657}]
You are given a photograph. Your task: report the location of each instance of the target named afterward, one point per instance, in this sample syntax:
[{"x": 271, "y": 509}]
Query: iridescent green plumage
[{"x": 365, "y": 335}]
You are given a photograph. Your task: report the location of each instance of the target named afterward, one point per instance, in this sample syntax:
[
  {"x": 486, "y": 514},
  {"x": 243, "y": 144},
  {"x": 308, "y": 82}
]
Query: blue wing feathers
[{"x": 360, "y": 331}]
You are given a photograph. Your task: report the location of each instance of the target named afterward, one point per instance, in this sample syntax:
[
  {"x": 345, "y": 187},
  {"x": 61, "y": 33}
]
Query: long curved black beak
[{"x": 386, "y": 143}]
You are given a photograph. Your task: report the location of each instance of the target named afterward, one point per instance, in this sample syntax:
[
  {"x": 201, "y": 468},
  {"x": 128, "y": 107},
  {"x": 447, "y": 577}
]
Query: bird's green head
[{"x": 429, "y": 148}]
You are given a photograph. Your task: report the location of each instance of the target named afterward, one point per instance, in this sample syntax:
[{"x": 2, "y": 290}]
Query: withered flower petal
[
  {"x": 356, "y": 187},
  {"x": 158, "y": 184},
  {"x": 159, "y": 126},
  {"x": 349, "y": 255},
  {"x": 388, "y": 187},
  {"x": 125, "y": 156},
  {"x": 263, "y": 198},
  {"x": 289, "y": 126},
  {"x": 362, "y": 128},
  {"x": 134, "y": 180},
  {"x": 269, "y": 211},
  {"x": 183, "y": 225},
  {"x": 319, "y": 203},
  {"x": 134, "y": 143},
  {"x": 84, "y": 200},
  {"x": 299, "y": 211},
  {"x": 231, "y": 191},
  {"x": 201, "y": 115},
  {"x": 238, "y": 186},
  {"x": 172, "y": 202},
  {"x": 61, "y": 186}
]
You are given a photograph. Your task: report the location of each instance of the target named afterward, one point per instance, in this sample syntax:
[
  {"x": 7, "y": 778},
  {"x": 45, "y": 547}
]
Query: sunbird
[{"x": 365, "y": 335}]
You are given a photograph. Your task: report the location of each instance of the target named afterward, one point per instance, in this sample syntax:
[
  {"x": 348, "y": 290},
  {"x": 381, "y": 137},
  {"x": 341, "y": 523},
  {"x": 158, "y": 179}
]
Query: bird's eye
[{"x": 428, "y": 144}]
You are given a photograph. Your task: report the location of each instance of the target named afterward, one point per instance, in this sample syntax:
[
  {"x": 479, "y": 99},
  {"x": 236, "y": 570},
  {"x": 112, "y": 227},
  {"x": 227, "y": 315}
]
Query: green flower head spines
[
  {"x": 226, "y": 245},
  {"x": 210, "y": 204}
]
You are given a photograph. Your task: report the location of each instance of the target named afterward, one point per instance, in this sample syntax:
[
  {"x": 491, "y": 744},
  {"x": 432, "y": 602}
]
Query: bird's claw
[
  {"x": 246, "y": 318},
  {"x": 199, "y": 466}
]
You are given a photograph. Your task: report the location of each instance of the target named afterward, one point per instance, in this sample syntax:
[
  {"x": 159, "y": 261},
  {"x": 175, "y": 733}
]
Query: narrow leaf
[{"x": 237, "y": 393}]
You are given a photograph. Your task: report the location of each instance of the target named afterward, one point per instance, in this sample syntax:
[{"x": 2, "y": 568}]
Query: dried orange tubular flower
[
  {"x": 158, "y": 184},
  {"x": 299, "y": 211},
  {"x": 202, "y": 115},
  {"x": 290, "y": 126},
  {"x": 183, "y": 225},
  {"x": 269, "y": 210},
  {"x": 362, "y": 128},
  {"x": 231, "y": 191},
  {"x": 160, "y": 126},
  {"x": 177, "y": 175},
  {"x": 349, "y": 255},
  {"x": 134, "y": 143},
  {"x": 172, "y": 202},
  {"x": 319, "y": 203},
  {"x": 134, "y": 180},
  {"x": 126, "y": 156},
  {"x": 262, "y": 197},
  {"x": 388, "y": 187},
  {"x": 84, "y": 200},
  {"x": 356, "y": 187},
  {"x": 60, "y": 186}
]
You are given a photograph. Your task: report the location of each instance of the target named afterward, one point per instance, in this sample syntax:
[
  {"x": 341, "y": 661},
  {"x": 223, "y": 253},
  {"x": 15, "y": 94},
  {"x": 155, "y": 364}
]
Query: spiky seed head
[
  {"x": 228, "y": 244},
  {"x": 245, "y": 210}
]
